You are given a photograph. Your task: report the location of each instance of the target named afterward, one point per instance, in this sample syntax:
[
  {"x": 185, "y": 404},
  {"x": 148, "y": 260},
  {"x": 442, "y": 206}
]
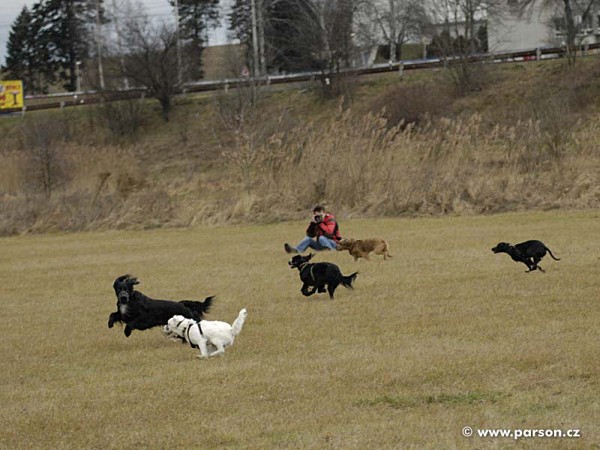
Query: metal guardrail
[{"x": 61, "y": 100}]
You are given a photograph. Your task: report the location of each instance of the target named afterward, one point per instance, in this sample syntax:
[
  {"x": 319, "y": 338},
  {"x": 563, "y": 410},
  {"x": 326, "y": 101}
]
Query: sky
[{"x": 157, "y": 9}]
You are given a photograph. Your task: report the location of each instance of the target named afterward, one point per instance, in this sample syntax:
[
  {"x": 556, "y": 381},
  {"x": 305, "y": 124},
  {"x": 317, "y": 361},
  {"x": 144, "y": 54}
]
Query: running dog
[
  {"x": 320, "y": 275},
  {"x": 360, "y": 248},
  {"x": 529, "y": 253},
  {"x": 205, "y": 333},
  {"x": 140, "y": 312}
]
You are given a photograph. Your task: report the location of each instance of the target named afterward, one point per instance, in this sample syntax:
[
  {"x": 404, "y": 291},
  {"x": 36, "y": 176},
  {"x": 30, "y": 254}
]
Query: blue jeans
[{"x": 321, "y": 243}]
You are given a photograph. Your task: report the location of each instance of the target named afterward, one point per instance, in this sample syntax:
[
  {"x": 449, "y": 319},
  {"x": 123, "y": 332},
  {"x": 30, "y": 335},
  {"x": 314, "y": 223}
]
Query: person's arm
[
  {"x": 328, "y": 228},
  {"x": 311, "y": 231}
]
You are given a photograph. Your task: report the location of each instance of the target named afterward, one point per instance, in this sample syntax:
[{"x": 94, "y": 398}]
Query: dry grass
[
  {"x": 453, "y": 166},
  {"x": 527, "y": 141},
  {"x": 446, "y": 334},
  {"x": 358, "y": 164}
]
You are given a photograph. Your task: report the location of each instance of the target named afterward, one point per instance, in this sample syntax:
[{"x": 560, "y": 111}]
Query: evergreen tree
[
  {"x": 65, "y": 30},
  {"x": 287, "y": 29},
  {"x": 240, "y": 21},
  {"x": 18, "y": 45},
  {"x": 290, "y": 43},
  {"x": 21, "y": 62},
  {"x": 195, "y": 18}
]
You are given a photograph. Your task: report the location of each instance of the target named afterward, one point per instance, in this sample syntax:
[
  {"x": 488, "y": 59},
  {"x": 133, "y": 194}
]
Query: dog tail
[
  {"x": 553, "y": 257},
  {"x": 386, "y": 253},
  {"x": 347, "y": 281},
  {"x": 200, "y": 308},
  {"x": 239, "y": 322}
]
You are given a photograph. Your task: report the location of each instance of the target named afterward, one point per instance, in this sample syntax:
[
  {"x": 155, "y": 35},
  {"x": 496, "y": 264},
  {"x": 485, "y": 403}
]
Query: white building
[{"x": 541, "y": 27}]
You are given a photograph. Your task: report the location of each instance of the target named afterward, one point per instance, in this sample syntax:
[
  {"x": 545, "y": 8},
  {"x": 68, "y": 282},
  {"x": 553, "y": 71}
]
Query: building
[{"x": 538, "y": 28}]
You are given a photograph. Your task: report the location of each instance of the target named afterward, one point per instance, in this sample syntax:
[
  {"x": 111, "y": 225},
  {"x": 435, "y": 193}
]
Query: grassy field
[{"x": 444, "y": 335}]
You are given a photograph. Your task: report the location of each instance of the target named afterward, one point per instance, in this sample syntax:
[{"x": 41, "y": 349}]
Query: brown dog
[{"x": 360, "y": 248}]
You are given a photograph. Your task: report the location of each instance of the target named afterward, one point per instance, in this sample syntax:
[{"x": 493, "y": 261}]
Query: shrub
[
  {"x": 414, "y": 103},
  {"x": 122, "y": 119},
  {"x": 43, "y": 139}
]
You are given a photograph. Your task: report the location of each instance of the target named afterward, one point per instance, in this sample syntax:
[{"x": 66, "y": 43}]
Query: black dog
[
  {"x": 140, "y": 312},
  {"x": 529, "y": 253},
  {"x": 319, "y": 275}
]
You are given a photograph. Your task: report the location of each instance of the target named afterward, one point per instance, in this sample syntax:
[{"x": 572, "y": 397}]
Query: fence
[{"x": 37, "y": 102}]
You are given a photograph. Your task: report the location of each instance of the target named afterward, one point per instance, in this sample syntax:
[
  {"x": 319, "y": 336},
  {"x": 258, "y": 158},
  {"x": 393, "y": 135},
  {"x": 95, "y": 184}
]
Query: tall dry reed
[
  {"x": 357, "y": 165},
  {"x": 361, "y": 166}
]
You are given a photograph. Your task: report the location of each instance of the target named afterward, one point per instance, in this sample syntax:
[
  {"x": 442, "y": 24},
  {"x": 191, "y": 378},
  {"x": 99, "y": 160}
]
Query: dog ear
[
  {"x": 309, "y": 257},
  {"x": 120, "y": 279}
]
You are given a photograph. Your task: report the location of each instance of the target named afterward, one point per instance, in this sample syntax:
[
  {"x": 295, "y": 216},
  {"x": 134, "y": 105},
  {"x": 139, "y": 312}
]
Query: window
[{"x": 559, "y": 23}]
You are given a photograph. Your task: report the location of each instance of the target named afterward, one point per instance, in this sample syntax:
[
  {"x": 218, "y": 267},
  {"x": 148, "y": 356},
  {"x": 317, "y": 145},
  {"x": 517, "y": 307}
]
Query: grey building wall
[{"x": 511, "y": 32}]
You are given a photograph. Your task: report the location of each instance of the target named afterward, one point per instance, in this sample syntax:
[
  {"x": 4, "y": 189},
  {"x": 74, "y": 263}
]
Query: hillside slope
[{"x": 389, "y": 147}]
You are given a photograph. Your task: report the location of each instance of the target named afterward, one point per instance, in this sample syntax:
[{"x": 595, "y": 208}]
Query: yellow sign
[{"x": 11, "y": 94}]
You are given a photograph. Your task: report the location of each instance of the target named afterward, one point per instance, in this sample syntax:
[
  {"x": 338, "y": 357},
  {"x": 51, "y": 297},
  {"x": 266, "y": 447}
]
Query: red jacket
[{"x": 328, "y": 227}]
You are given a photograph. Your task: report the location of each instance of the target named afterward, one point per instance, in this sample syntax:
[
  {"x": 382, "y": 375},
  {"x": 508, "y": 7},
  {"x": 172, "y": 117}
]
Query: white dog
[{"x": 206, "y": 332}]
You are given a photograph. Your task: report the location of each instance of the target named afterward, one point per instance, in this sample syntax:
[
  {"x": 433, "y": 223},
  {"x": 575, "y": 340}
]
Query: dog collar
[
  {"x": 304, "y": 266},
  {"x": 187, "y": 333}
]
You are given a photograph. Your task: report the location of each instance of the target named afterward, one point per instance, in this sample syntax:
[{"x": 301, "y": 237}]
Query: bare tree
[
  {"x": 284, "y": 35},
  {"x": 238, "y": 113},
  {"x": 325, "y": 33},
  {"x": 43, "y": 139},
  {"x": 151, "y": 59},
  {"x": 393, "y": 20},
  {"x": 456, "y": 36},
  {"x": 566, "y": 12}
]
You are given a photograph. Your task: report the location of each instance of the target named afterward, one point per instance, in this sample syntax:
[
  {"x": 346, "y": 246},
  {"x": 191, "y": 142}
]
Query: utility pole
[
  {"x": 393, "y": 30},
  {"x": 323, "y": 31},
  {"x": 99, "y": 46},
  {"x": 255, "y": 61},
  {"x": 261, "y": 38},
  {"x": 178, "y": 47},
  {"x": 78, "y": 75},
  {"x": 120, "y": 45}
]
